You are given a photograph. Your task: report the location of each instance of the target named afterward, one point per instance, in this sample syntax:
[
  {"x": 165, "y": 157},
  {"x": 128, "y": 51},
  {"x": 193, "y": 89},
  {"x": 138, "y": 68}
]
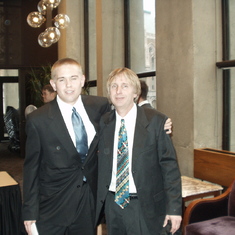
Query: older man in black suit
[
  {"x": 139, "y": 183},
  {"x": 60, "y": 169}
]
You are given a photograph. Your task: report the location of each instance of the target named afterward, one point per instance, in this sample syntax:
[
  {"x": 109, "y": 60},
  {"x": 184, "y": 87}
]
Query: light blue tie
[
  {"x": 80, "y": 135},
  {"x": 122, "y": 196}
]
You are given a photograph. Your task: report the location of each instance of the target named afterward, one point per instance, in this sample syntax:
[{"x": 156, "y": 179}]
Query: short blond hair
[
  {"x": 64, "y": 61},
  {"x": 127, "y": 73}
]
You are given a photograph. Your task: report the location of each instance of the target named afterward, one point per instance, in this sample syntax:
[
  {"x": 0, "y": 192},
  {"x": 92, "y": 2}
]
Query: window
[
  {"x": 142, "y": 46},
  {"x": 228, "y": 66},
  {"x": 136, "y": 50}
]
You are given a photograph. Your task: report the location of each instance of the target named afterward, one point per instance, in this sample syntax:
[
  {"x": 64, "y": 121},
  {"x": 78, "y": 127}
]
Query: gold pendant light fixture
[{"x": 37, "y": 18}]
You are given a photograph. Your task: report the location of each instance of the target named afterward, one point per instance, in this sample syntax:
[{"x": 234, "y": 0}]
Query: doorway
[{"x": 9, "y": 102}]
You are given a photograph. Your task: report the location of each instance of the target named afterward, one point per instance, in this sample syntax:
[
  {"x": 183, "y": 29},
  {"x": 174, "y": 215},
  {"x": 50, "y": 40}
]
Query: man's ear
[
  {"x": 52, "y": 82},
  {"x": 83, "y": 80}
]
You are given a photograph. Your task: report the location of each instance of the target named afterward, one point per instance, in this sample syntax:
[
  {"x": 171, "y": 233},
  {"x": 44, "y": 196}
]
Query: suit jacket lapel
[
  {"x": 140, "y": 133},
  {"x": 109, "y": 130},
  {"x": 90, "y": 112},
  {"x": 59, "y": 127}
]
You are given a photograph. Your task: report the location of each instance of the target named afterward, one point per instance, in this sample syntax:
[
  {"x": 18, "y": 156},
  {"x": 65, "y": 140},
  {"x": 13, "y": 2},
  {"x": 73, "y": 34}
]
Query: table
[
  {"x": 195, "y": 188},
  {"x": 10, "y": 205}
]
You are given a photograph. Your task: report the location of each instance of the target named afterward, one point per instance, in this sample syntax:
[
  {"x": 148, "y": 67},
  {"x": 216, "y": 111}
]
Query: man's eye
[{"x": 113, "y": 86}]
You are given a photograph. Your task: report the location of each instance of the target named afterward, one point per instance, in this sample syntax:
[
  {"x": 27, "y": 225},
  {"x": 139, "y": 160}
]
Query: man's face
[
  {"x": 122, "y": 94},
  {"x": 68, "y": 82},
  {"x": 48, "y": 96}
]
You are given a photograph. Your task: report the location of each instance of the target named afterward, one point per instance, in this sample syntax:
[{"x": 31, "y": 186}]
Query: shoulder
[
  {"x": 43, "y": 111},
  {"x": 95, "y": 100},
  {"x": 152, "y": 114},
  {"x": 108, "y": 117},
  {"x": 147, "y": 106},
  {"x": 95, "y": 106}
]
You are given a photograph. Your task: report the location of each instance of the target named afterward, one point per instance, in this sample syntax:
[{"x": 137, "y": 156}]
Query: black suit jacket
[
  {"x": 148, "y": 105},
  {"x": 154, "y": 167},
  {"x": 53, "y": 171}
]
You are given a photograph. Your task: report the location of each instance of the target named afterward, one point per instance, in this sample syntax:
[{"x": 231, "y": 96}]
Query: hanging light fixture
[{"x": 37, "y": 18}]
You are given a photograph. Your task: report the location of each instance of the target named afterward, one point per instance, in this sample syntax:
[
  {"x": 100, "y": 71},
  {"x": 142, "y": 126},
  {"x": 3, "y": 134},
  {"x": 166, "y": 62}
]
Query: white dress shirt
[
  {"x": 130, "y": 121},
  {"x": 66, "y": 111}
]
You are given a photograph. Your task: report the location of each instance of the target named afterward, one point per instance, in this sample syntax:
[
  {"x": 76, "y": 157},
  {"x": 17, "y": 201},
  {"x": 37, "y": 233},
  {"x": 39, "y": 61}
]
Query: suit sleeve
[
  {"x": 31, "y": 173},
  {"x": 170, "y": 173}
]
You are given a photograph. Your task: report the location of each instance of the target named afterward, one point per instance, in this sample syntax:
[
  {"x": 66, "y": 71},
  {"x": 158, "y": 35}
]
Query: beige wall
[
  {"x": 71, "y": 43},
  {"x": 188, "y": 83}
]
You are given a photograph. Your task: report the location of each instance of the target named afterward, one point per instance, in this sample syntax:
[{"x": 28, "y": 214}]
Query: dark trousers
[
  {"x": 83, "y": 224},
  {"x": 128, "y": 221}
]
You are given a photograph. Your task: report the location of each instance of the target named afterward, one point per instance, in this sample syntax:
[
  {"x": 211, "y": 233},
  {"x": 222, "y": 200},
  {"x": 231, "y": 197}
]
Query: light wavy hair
[{"x": 127, "y": 73}]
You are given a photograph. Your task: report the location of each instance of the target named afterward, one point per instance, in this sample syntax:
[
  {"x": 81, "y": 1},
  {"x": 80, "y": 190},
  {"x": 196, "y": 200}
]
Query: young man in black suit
[
  {"x": 139, "y": 183},
  {"x": 60, "y": 182}
]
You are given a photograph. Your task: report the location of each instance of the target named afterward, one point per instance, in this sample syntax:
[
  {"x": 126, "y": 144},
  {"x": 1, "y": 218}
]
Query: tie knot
[
  {"x": 122, "y": 121},
  {"x": 74, "y": 109}
]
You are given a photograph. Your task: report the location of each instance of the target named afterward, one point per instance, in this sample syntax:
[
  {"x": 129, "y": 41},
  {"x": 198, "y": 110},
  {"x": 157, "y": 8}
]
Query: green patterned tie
[{"x": 122, "y": 197}]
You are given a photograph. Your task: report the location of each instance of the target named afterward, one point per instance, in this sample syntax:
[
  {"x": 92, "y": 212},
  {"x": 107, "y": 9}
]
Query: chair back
[{"x": 231, "y": 202}]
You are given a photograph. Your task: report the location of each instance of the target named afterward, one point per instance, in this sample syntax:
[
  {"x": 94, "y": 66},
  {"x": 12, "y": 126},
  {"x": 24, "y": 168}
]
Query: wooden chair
[{"x": 211, "y": 215}]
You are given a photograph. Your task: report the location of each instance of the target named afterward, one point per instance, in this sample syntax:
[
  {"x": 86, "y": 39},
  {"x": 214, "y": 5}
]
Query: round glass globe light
[
  {"x": 35, "y": 19},
  {"x": 52, "y": 3},
  {"x": 61, "y": 21},
  {"x": 53, "y": 34},
  {"x": 44, "y": 40},
  {"x": 42, "y": 7}
]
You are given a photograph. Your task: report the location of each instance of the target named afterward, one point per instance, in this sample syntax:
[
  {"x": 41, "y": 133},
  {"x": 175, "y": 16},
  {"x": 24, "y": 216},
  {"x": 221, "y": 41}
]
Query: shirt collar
[
  {"x": 143, "y": 102},
  {"x": 67, "y": 106},
  {"x": 130, "y": 115}
]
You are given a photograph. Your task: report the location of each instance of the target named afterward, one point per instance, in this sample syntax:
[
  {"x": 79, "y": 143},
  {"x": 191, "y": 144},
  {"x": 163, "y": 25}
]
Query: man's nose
[
  {"x": 119, "y": 89},
  {"x": 68, "y": 83}
]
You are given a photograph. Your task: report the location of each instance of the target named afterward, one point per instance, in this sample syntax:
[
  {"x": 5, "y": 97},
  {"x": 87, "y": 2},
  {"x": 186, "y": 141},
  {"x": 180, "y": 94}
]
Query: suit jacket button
[{"x": 57, "y": 147}]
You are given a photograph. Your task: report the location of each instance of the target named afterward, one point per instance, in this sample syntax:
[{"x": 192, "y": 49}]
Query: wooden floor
[{"x": 11, "y": 162}]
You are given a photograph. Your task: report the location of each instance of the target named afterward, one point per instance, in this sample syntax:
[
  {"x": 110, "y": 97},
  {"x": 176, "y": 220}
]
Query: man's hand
[
  {"x": 168, "y": 126},
  {"x": 28, "y": 224},
  {"x": 175, "y": 222}
]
